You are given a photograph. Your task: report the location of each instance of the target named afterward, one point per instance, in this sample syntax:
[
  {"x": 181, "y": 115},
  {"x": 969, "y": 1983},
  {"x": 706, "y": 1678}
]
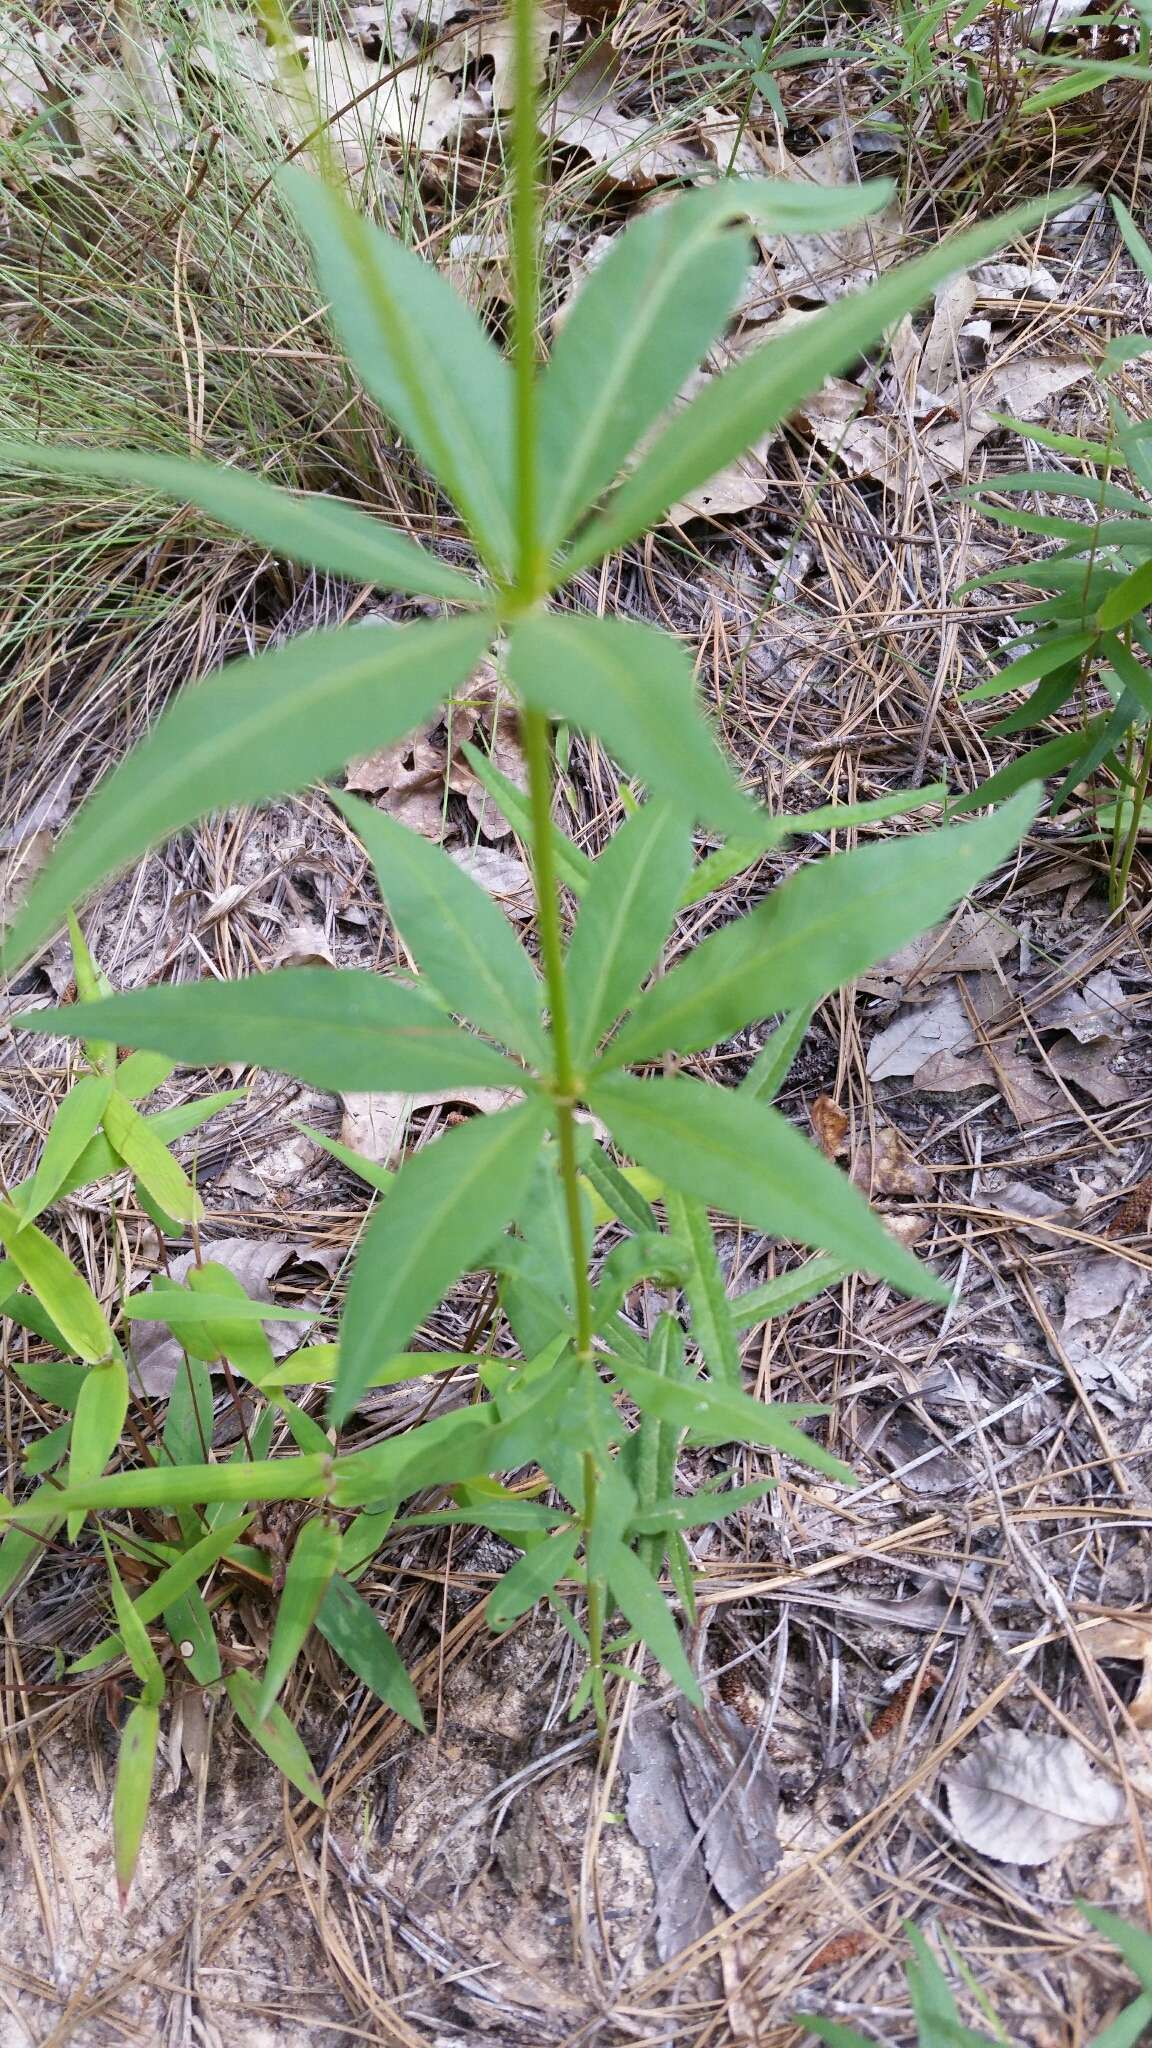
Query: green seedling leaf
[
  {"x": 96, "y": 1426},
  {"x": 832, "y": 2032},
  {"x": 75, "y": 1124},
  {"x": 572, "y": 866},
  {"x": 697, "y": 1510},
  {"x": 633, "y": 688},
  {"x": 1132, "y": 673},
  {"x": 510, "y": 1515},
  {"x": 742, "y": 1157},
  {"x": 261, "y": 727},
  {"x": 423, "y": 355},
  {"x": 532, "y": 1577},
  {"x": 773, "y": 1063},
  {"x": 724, "y": 1415},
  {"x": 757, "y": 393},
  {"x": 275, "y": 1735},
  {"x": 238, "y": 1338},
  {"x": 162, "y": 1486},
  {"x": 358, "y": 1636},
  {"x": 142, "y": 1073},
  {"x": 132, "y": 1791},
  {"x": 456, "y": 934},
  {"x": 620, "y": 1193},
  {"x": 647, "y": 316},
  {"x": 446, "y": 1205},
  {"x": 134, "y": 1636},
  {"x": 66, "y": 1297},
  {"x": 776, "y": 1297},
  {"x": 47, "y": 1452},
  {"x": 153, "y": 1165},
  {"x": 638, "y": 1596},
  {"x": 315, "y": 1555},
  {"x": 815, "y": 932},
  {"x": 320, "y": 532},
  {"x": 341, "y": 1029},
  {"x": 187, "y": 1569},
  {"x": 624, "y": 919},
  {"x": 707, "y": 1293},
  {"x": 370, "y": 1170}
]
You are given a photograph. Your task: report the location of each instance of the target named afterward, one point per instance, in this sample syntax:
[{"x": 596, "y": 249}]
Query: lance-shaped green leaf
[
  {"x": 704, "y": 1285},
  {"x": 187, "y": 1568},
  {"x": 773, "y": 1063},
  {"x": 96, "y": 1426},
  {"x": 275, "y": 1734},
  {"x": 132, "y": 1790},
  {"x": 321, "y": 532},
  {"x": 76, "y": 1122},
  {"x": 163, "y": 1486},
  {"x": 359, "y": 1636},
  {"x": 259, "y": 728},
  {"x": 456, "y": 934},
  {"x": 742, "y": 1157},
  {"x": 131, "y": 1136},
  {"x": 57, "y": 1285},
  {"x": 446, "y": 1205},
  {"x": 817, "y": 931},
  {"x": 720, "y": 1414},
  {"x": 645, "y": 319},
  {"x": 343, "y": 1029},
  {"x": 757, "y": 393},
  {"x": 787, "y": 1291},
  {"x": 624, "y": 919},
  {"x": 423, "y": 355},
  {"x": 133, "y": 1634},
  {"x": 531, "y": 1577},
  {"x": 315, "y": 1555},
  {"x": 638, "y": 1596},
  {"x": 633, "y": 687},
  {"x": 572, "y": 865}
]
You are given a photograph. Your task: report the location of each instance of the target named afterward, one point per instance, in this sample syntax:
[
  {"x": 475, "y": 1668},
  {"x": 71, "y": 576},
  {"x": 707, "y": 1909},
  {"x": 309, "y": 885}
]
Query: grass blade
[
  {"x": 314, "y": 1558},
  {"x": 275, "y": 1735},
  {"x": 132, "y": 1792},
  {"x": 360, "y": 1638}
]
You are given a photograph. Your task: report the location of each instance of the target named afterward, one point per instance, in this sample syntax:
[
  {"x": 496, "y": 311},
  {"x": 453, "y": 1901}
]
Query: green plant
[
  {"x": 529, "y": 458},
  {"x": 1093, "y": 625},
  {"x": 938, "y": 2021}
]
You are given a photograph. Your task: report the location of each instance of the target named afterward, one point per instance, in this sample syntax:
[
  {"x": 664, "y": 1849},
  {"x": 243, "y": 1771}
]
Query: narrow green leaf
[
  {"x": 37, "y": 1520},
  {"x": 321, "y": 532},
  {"x": 633, "y": 687},
  {"x": 1132, "y": 595},
  {"x": 642, "y": 1604},
  {"x": 1033, "y": 766},
  {"x": 1132, "y": 673},
  {"x": 185, "y": 1571},
  {"x": 832, "y": 2032},
  {"x": 1133, "y": 1943},
  {"x": 617, "y": 1192},
  {"x": 275, "y": 1735},
  {"x": 757, "y": 393},
  {"x": 456, "y": 934},
  {"x": 189, "y": 1625},
  {"x": 773, "y": 1063},
  {"x": 141, "y": 1073},
  {"x": 53, "y": 1278},
  {"x": 1052, "y": 652},
  {"x": 134, "y": 1636},
  {"x": 645, "y": 319},
  {"x": 261, "y": 727},
  {"x": 96, "y": 1427},
  {"x": 572, "y": 866},
  {"x": 698, "y": 1510},
  {"x": 742, "y": 1157},
  {"x": 359, "y": 1637},
  {"x": 721, "y": 1414},
  {"x": 47, "y": 1452},
  {"x": 138, "y": 1146},
  {"x": 704, "y": 1285},
  {"x": 75, "y": 1123},
  {"x": 447, "y": 1204},
  {"x": 1129, "y": 2028},
  {"x": 202, "y": 1310},
  {"x": 787, "y": 1291},
  {"x": 336, "y": 1028},
  {"x": 160, "y": 1486},
  {"x": 132, "y": 1791},
  {"x": 315, "y": 1555},
  {"x": 815, "y": 932},
  {"x": 240, "y": 1339},
  {"x": 624, "y": 920},
  {"x": 531, "y": 1577},
  {"x": 423, "y": 355}
]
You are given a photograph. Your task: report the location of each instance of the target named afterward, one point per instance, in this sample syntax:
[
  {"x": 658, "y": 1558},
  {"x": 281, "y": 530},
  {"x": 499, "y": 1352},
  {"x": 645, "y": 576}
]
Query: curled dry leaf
[
  {"x": 1090, "y": 1068},
  {"x": 829, "y": 1126},
  {"x": 1127, "y": 1638},
  {"x": 413, "y": 779},
  {"x": 375, "y": 1124},
  {"x": 1095, "y": 1011},
  {"x": 887, "y": 1167},
  {"x": 1023, "y": 1798}
]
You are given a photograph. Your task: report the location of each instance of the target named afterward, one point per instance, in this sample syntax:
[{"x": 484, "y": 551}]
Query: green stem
[
  {"x": 529, "y": 587},
  {"x": 1139, "y": 799}
]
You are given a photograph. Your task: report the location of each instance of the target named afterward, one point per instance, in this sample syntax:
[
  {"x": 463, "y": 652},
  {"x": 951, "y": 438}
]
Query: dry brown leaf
[
  {"x": 917, "y": 1034},
  {"x": 503, "y": 875},
  {"x": 1090, "y": 1067},
  {"x": 972, "y": 941},
  {"x": 1023, "y": 1798},
  {"x": 374, "y": 1124},
  {"x": 630, "y": 151},
  {"x": 887, "y": 1167},
  {"x": 821, "y": 268},
  {"x": 1095, "y": 1011},
  {"x": 1098, "y": 1288},
  {"x": 1128, "y": 1638},
  {"x": 829, "y": 1125},
  {"x": 492, "y": 40},
  {"x": 1017, "y": 1199}
]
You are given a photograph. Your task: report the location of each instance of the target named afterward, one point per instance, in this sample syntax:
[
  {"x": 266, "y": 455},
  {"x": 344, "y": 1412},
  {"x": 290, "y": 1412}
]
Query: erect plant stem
[{"x": 529, "y": 585}]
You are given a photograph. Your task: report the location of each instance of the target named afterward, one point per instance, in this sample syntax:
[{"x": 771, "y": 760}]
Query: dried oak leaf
[
  {"x": 1128, "y": 1638},
  {"x": 375, "y": 1123},
  {"x": 1023, "y": 1798}
]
